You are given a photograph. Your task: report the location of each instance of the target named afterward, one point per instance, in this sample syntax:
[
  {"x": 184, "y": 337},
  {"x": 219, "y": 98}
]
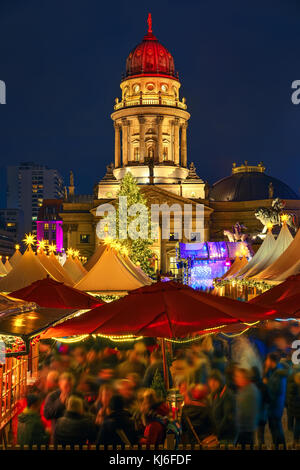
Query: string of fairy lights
[{"x": 133, "y": 338}]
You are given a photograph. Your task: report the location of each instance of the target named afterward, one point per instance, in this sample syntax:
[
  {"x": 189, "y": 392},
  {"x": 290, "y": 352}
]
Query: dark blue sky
[{"x": 62, "y": 62}]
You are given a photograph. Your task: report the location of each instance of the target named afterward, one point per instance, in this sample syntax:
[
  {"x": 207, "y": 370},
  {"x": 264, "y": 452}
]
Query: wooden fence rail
[{"x": 180, "y": 447}]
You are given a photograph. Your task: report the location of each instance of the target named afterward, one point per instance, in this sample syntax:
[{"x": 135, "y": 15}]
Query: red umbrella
[
  {"x": 165, "y": 310},
  {"x": 286, "y": 289},
  {"x": 52, "y": 294}
]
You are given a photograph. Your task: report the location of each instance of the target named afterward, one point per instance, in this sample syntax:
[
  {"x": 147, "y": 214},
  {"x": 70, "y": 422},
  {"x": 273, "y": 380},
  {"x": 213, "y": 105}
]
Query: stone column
[
  {"x": 176, "y": 141},
  {"x": 129, "y": 149},
  {"x": 142, "y": 122},
  {"x": 183, "y": 145},
  {"x": 160, "y": 156},
  {"x": 125, "y": 142},
  {"x": 117, "y": 146}
]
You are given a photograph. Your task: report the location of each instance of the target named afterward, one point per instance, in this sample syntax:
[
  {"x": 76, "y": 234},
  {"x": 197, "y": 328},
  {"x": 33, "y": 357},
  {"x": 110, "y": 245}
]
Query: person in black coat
[
  {"x": 293, "y": 403},
  {"x": 118, "y": 427},
  {"x": 55, "y": 403},
  {"x": 196, "y": 415},
  {"x": 224, "y": 413},
  {"x": 74, "y": 428}
]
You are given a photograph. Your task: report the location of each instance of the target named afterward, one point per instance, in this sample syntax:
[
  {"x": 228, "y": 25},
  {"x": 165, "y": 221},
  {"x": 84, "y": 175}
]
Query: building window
[
  {"x": 136, "y": 154},
  {"x": 84, "y": 238},
  {"x": 174, "y": 236},
  {"x": 165, "y": 153}
]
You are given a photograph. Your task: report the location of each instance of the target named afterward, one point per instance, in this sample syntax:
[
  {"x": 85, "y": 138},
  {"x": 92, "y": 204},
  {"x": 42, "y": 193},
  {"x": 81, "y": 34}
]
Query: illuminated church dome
[
  {"x": 150, "y": 57},
  {"x": 250, "y": 183}
]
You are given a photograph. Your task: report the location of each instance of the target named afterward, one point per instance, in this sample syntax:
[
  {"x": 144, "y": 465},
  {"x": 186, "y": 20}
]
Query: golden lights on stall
[
  {"x": 42, "y": 244},
  {"x": 116, "y": 246},
  {"x": 52, "y": 248},
  {"x": 30, "y": 239},
  {"x": 70, "y": 252}
]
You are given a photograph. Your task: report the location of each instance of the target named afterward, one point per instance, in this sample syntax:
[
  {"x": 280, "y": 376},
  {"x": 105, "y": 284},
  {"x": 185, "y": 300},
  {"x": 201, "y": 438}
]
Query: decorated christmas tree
[
  {"x": 158, "y": 385},
  {"x": 138, "y": 249}
]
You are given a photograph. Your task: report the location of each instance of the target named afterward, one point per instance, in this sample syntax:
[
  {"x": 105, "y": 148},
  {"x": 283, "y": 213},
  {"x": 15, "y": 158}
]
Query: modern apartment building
[{"x": 28, "y": 184}]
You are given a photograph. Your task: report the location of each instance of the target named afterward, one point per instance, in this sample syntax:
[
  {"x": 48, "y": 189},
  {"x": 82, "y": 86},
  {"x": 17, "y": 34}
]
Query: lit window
[{"x": 84, "y": 238}]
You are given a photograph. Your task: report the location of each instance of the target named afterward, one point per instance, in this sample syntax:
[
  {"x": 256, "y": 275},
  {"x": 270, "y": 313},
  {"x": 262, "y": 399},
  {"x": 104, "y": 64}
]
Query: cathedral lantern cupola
[{"x": 150, "y": 118}]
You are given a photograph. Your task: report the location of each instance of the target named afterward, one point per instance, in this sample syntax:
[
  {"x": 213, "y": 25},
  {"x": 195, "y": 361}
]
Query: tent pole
[{"x": 165, "y": 364}]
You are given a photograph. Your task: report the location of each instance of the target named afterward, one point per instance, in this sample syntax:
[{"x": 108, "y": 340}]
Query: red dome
[{"x": 150, "y": 57}]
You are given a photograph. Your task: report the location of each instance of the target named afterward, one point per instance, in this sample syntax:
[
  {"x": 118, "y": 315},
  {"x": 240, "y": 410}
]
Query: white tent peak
[
  {"x": 15, "y": 258},
  {"x": 264, "y": 252},
  {"x": 28, "y": 270},
  {"x": 111, "y": 274}
]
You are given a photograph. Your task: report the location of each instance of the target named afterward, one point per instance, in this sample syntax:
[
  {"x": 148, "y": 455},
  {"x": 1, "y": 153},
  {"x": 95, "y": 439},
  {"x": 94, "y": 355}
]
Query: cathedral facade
[{"x": 151, "y": 141}]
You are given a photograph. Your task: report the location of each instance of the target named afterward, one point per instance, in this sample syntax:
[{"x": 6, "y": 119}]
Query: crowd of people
[{"x": 230, "y": 389}]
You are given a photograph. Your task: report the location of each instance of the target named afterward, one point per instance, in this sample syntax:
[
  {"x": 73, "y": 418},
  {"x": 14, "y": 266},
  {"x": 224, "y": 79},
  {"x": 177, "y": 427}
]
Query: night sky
[{"x": 62, "y": 62}]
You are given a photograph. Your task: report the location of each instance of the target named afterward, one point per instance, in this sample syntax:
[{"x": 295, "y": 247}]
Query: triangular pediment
[{"x": 157, "y": 195}]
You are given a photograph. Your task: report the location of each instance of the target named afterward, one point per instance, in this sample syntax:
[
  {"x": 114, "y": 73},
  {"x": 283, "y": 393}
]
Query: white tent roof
[
  {"x": 15, "y": 258},
  {"x": 64, "y": 273},
  {"x": 110, "y": 274},
  {"x": 282, "y": 242},
  {"x": 95, "y": 256},
  {"x": 286, "y": 263},
  {"x": 263, "y": 252},
  {"x": 8, "y": 266},
  {"x": 137, "y": 270},
  {"x": 47, "y": 262},
  {"x": 28, "y": 270},
  {"x": 3, "y": 270},
  {"x": 237, "y": 265},
  {"x": 80, "y": 265},
  {"x": 73, "y": 270}
]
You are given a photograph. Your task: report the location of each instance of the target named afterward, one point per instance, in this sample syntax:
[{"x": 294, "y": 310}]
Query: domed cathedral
[
  {"x": 236, "y": 198},
  {"x": 150, "y": 121}
]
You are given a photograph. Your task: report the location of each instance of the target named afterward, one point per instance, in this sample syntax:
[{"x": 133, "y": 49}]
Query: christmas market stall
[
  {"x": 256, "y": 277},
  {"x": 27, "y": 270},
  {"x": 112, "y": 275},
  {"x": 19, "y": 332}
]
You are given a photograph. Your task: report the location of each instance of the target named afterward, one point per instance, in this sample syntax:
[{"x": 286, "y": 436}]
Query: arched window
[{"x": 150, "y": 152}]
